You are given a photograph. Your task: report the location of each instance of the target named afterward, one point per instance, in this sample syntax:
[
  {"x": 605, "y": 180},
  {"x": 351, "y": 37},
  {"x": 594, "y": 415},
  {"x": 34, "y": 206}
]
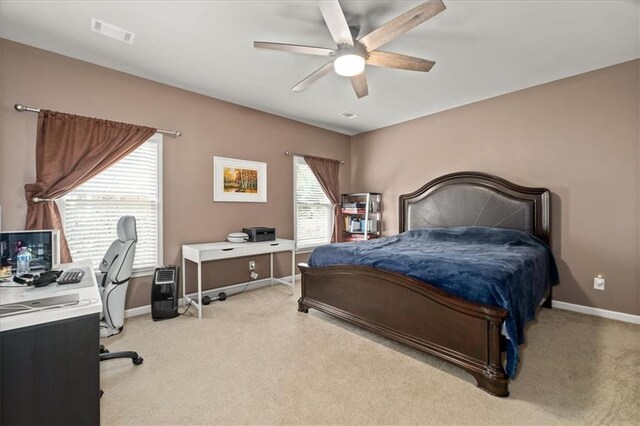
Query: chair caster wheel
[
  {"x": 101, "y": 393},
  {"x": 138, "y": 360},
  {"x": 106, "y": 351}
]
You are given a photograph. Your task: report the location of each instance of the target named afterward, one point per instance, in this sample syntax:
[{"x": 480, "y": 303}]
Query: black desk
[
  {"x": 50, "y": 373},
  {"x": 50, "y": 360}
]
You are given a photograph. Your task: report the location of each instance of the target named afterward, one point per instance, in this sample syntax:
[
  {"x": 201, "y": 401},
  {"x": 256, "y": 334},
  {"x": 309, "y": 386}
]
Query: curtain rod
[
  {"x": 302, "y": 155},
  {"x": 22, "y": 108}
]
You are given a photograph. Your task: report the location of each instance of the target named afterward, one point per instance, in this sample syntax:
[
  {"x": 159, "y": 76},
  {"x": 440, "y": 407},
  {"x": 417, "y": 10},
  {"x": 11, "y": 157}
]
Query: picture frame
[{"x": 240, "y": 181}]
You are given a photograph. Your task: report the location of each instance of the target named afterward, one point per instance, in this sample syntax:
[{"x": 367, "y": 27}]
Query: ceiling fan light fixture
[
  {"x": 353, "y": 52},
  {"x": 349, "y": 65}
]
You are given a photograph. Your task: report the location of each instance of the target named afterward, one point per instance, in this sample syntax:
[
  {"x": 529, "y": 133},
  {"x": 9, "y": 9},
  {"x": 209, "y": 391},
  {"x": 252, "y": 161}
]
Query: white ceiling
[{"x": 482, "y": 49}]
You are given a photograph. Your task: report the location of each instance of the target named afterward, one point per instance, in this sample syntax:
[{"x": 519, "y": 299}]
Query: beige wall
[
  {"x": 210, "y": 127},
  {"x": 579, "y": 137}
]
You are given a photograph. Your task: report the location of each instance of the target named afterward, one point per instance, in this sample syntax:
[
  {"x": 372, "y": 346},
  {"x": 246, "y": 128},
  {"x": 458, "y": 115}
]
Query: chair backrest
[{"x": 116, "y": 270}]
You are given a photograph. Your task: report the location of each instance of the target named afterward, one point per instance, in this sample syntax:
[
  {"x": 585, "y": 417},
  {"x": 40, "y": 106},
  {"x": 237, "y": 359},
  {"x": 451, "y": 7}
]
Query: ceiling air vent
[
  {"x": 112, "y": 31},
  {"x": 348, "y": 114}
]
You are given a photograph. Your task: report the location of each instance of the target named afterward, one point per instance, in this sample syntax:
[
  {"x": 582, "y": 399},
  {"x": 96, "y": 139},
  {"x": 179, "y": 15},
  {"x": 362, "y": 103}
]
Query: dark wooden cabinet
[{"x": 50, "y": 373}]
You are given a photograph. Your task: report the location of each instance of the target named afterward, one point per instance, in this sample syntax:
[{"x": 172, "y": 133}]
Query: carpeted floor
[{"x": 253, "y": 359}]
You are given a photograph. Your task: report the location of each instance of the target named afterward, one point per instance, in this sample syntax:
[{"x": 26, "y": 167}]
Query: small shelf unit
[{"x": 361, "y": 215}]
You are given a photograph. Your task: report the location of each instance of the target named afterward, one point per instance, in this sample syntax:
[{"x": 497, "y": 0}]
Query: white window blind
[
  {"x": 132, "y": 186},
  {"x": 313, "y": 210}
]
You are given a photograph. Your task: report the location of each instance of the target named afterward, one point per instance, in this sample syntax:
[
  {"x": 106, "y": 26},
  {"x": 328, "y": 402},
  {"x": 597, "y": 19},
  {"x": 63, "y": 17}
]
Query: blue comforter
[{"x": 493, "y": 266}]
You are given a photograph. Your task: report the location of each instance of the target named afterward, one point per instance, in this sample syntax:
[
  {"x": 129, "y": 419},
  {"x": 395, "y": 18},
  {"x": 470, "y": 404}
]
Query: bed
[{"x": 420, "y": 313}]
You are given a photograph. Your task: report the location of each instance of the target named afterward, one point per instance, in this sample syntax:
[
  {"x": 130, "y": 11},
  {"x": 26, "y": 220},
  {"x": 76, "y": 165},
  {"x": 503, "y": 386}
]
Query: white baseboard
[
  {"x": 230, "y": 290},
  {"x": 140, "y": 310},
  {"x": 620, "y": 316}
]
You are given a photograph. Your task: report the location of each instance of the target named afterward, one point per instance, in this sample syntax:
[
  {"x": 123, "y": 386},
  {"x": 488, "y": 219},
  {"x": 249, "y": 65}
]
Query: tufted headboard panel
[{"x": 477, "y": 199}]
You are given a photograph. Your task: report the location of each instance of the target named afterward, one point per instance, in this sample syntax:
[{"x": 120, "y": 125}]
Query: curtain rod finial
[{"x": 19, "y": 107}]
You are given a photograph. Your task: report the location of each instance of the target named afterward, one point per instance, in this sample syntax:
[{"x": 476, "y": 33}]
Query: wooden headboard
[{"x": 477, "y": 199}]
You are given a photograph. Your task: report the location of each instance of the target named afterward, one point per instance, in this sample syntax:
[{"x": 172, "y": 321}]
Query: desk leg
[
  {"x": 199, "y": 290},
  {"x": 271, "y": 269},
  {"x": 293, "y": 271},
  {"x": 184, "y": 283}
]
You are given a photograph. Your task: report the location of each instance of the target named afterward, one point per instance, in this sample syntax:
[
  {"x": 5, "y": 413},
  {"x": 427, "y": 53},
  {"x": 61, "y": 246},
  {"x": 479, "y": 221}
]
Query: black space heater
[{"x": 164, "y": 293}]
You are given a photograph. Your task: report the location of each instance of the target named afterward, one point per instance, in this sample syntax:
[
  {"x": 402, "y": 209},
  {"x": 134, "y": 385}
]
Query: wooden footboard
[{"x": 409, "y": 311}]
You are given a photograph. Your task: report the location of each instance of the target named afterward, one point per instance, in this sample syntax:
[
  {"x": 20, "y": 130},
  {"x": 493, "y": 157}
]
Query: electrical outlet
[
  {"x": 598, "y": 282},
  {"x": 252, "y": 265}
]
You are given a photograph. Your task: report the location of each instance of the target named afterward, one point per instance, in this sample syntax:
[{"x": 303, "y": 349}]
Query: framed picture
[{"x": 239, "y": 180}]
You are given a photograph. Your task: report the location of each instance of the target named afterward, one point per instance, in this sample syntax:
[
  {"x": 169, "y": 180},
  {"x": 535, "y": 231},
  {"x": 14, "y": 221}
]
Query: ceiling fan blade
[
  {"x": 294, "y": 48},
  {"x": 337, "y": 23},
  {"x": 402, "y": 24},
  {"x": 312, "y": 78},
  {"x": 379, "y": 58},
  {"x": 359, "y": 83}
]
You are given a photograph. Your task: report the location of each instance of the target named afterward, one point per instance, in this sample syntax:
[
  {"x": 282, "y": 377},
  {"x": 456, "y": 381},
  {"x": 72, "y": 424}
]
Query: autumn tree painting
[{"x": 240, "y": 180}]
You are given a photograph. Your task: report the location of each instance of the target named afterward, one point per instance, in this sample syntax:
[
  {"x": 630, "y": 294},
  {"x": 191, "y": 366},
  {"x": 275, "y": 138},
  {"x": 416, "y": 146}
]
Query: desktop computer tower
[{"x": 164, "y": 293}]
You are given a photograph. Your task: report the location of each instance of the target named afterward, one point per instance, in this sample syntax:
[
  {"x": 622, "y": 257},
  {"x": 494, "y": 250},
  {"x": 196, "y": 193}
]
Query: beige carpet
[{"x": 253, "y": 359}]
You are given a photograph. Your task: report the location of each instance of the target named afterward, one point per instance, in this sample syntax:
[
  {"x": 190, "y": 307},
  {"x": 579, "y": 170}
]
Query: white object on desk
[
  {"x": 89, "y": 301},
  {"x": 199, "y": 253},
  {"x": 237, "y": 237}
]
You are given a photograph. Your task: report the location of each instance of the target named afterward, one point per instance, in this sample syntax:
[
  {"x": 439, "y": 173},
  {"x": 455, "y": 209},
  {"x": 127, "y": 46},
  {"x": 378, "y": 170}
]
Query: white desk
[
  {"x": 89, "y": 301},
  {"x": 199, "y": 253}
]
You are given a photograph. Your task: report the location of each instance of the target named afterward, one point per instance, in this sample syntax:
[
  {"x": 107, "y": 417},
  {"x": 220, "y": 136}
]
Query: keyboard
[{"x": 71, "y": 276}]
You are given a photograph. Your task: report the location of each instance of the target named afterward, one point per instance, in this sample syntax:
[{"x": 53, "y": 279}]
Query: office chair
[{"x": 113, "y": 280}]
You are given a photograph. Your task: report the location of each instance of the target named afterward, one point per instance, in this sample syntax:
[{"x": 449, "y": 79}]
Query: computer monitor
[{"x": 44, "y": 246}]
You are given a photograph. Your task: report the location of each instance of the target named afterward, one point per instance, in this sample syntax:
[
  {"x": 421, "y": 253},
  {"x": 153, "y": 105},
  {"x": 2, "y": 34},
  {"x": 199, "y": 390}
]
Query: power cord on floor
[
  {"x": 206, "y": 300},
  {"x": 252, "y": 276},
  {"x": 186, "y": 310}
]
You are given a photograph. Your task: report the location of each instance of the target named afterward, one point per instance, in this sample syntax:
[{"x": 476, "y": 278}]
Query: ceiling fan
[{"x": 353, "y": 53}]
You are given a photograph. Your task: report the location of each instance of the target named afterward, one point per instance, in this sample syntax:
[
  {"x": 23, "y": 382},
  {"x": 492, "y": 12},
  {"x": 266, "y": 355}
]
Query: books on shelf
[
  {"x": 354, "y": 205},
  {"x": 358, "y": 237},
  {"x": 360, "y": 208},
  {"x": 358, "y": 211},
  {"x": 353, "y": 211},
  {"x": 355, "y": 224},
  {"x": 362, "y": 215},
  {"x": 371, "y": 226}
]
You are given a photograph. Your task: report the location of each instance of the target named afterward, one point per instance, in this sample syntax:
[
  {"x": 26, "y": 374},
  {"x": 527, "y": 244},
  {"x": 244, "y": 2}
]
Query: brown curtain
[
  {"x": 69, "y": 151},
  {"x": 327, "y": 172}
]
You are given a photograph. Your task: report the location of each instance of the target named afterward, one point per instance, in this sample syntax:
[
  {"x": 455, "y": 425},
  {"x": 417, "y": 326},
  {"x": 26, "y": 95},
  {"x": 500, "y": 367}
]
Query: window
[
  {"x": 313, "y": 210},
  {"x": 132, "y": 186}
]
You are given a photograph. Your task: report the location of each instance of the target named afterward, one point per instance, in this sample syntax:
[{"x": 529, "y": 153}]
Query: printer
[{"x": 260, "y": 233}]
